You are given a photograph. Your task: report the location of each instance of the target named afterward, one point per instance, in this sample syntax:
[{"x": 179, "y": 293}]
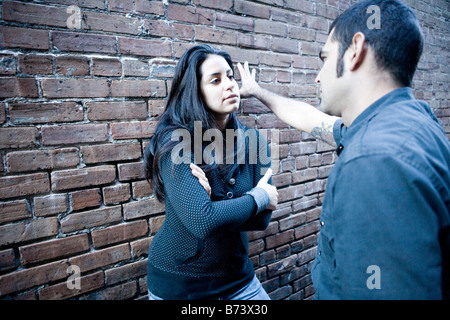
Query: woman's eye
[{"x": 215, "y": 81}]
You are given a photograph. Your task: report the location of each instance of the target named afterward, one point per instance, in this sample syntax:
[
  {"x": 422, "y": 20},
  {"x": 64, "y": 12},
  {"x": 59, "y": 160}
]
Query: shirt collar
[{"x": 392, "y": 97}]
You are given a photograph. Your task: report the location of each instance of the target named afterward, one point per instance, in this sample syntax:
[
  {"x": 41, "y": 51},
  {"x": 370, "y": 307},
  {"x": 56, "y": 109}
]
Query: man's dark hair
[{"x": 397, "y": 43}]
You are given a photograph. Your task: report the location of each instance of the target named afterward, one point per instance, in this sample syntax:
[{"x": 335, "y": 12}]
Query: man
[{"x": 386, "y": 212}]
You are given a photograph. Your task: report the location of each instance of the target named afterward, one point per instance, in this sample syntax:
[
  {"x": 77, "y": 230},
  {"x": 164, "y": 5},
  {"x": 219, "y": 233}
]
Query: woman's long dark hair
[{"x": 185, "y": 105}]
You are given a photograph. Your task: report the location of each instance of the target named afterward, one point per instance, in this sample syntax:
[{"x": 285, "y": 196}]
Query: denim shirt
[{"x": 386, "y": 202}]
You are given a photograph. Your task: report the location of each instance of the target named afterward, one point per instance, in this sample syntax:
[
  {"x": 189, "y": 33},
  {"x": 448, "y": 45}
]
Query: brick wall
[{"x": 81, "y": 86}]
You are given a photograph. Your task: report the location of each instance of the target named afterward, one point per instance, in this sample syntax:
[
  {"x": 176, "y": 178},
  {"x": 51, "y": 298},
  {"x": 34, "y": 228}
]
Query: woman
[{"x": 201, "y": 250}]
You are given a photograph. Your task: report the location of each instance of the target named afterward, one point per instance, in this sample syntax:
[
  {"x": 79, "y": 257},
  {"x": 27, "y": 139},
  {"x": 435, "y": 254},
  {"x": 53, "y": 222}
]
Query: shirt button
[
  {"x": 232, "y": 181},
  {"x": 320, "y": 253},
  {"x": 322, "y": 223},
  {"x": 230, "y": 194}
]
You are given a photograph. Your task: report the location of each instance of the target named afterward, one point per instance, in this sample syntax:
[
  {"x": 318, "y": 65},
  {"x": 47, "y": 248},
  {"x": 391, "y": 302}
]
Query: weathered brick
[
  {"x": 80, "y": 88},
  {"x": 192, "y": 14},
  {"x": 14, "y": 210},
  {"x": 90, "y": 219},
  {"x": 106, "y": 67},
  {"x": 142, "y": 208},
  {"x": 138, "y": 88},
  {"x": 19, "y": 161},
  {"x": 7, "y": 261},
  {"x": 34, "y": 14},
  {"x": 126, "y": 272},
  {"x": 252, "y": 9},
  {"x": 50, "y": 205},
  {"x": 73, "y": 134},
  {"x": 36, "y": 64},
  {"x": 101, "y": 258},
  {"x": 133, "y": 130},
  {"x": 25, "y": 231},
  {"x": 22, "y": 113},
  {"x": 28, "y": 278},
  {"x": 72, "y": 65},
  {"x": 144, "y": 47},
  {"x": 86, "y": 198},
  {"x": 53, "y": 249},
  {"x": 117, "y": 193},
  {"x": 25, "y": 38},
  {"x": 83, "y": 42},
  {"x": 117, "y": 110},
  {"x": 18, "y": 87},
  {"x": 62, "y": 291},
  {"x": 85, "y": 177},
  {"x": 23, "y": 185},
  {"x": 131, "y": 171},
  {"x": 110, "y": 152},
  {"x": 120, "y": 233}
]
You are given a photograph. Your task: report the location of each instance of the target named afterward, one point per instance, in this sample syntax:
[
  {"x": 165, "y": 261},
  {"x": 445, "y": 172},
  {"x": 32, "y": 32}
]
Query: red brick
[
  {"x": 73, "y": 134},
  {"x": 28, "y": 278},
  {"x": 26, "y": 38},
  {"x": 26, "y": 231},
  {"x": 125, "y": 272},
  {"x": 167, "y": 29},
  {"x": 145, "y": 47},
  {"x": 72, "y": 65},
  {"x": 117, "y": 110},
  {"x": 34, "y": 14},
  {"x": 18, "y": 87},
  {"x": 230, "y": 21},
  {"x": 42, "y": 159},
  {"x": 253, "y": 41},
  {"x": 138, "y": 88},
  {"x": 141, "y": 189},
  {"x": 50, "y": 205},
  {"x": 80, "y": 88},
  {"x": 23, "y": 185},
  {"x": 18, "y": 137},
  {"x": 190, "y": 14},
  {"x": 101, "y": 258},
  {"x": 137, "y": 6},
  {"x": 133, "y": 130},
  {"x": 86, "y": 199},
  {"x": 14, "y": 210},
  {"x": 7, "y": 261},
  {"x": 61, "y": 291},
  {"x": 106, "y": 67},
  {"x": 22, "y": 113},
  {"x": 116, "y": 194},
  {"x": 134, "y": 67},
  {"x": 143, "y": 208},
  {"x": 111, "y": 152},
  {"x": 252, "y": 9},
  {"x": 120, "y": 233},
  {"x": 85, "y": 177},
  {"x": 53, "y": 249},
  {"x": 215, "y": 35},
  {"x": 90, "y": 219},
  {"x": 36, "y": 64},
  {"x": 156, "y": 223},
  {"x": 130, "y": 171},
  {"x": 8, "y": 64},
  {"x": 83, "y": 42},
  {"x": 110, "y": 23}
]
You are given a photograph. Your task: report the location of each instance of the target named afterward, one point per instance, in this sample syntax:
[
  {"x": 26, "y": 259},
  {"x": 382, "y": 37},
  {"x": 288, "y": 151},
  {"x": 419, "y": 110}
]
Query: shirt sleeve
[
  {"x": 197, "y": 212},
  {"x": 385, "y": 231}
]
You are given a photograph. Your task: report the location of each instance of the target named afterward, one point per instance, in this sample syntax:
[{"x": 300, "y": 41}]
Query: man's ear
[{"x": 357, "y": 51}]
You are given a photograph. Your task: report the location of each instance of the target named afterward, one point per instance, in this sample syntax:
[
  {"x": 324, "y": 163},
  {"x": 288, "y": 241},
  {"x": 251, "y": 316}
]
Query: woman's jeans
[{"x": 252, "y": 291}]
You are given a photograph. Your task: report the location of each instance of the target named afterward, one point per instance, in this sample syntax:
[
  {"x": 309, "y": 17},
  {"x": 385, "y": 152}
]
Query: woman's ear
[{"x": 357, "y": 51}]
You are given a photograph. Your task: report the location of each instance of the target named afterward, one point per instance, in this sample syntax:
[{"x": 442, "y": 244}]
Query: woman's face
[{"x": 218, "y": 86}]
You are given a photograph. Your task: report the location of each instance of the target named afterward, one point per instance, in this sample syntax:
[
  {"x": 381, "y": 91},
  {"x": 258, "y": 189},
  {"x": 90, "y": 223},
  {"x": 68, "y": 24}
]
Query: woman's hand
[
  {"x": 271, "y": 190},
  {"x": 197, "y": 172},
  {"x": 249, "y": 85}
]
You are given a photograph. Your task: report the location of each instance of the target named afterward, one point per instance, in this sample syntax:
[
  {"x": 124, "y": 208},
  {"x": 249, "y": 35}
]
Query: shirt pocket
[{"x": 191, "y": 255}]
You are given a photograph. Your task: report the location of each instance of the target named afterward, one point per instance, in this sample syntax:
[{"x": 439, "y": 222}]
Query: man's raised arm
[{"x": 297, "y": 114}]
